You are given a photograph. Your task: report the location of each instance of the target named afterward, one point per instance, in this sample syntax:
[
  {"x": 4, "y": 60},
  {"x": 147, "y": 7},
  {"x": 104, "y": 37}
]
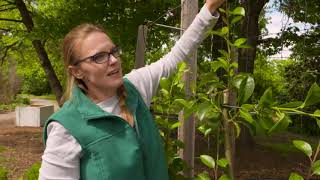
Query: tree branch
[
  {"x": 6, "y": 49},
  {"x": 7, "y": 9},
  {"x": 9, "y": 2},
  {"x": 12, "y": 20},
  {"x": 4, "y": 5}
]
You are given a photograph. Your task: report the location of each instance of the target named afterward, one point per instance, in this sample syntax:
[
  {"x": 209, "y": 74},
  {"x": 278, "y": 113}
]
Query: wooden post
[
  {"x": 141, "y": 46},
  {"x": 186, "y": 133}
]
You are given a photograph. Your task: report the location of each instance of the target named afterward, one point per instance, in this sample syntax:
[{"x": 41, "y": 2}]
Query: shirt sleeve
[
  {"x": 146, "y": 79},
  {"x": 61, "y": 158}
]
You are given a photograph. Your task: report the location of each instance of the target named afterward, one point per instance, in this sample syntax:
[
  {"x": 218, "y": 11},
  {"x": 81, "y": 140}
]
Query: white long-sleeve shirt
[{"x": 61, "y": 158}]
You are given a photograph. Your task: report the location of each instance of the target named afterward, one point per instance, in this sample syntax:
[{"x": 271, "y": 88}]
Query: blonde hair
[{"x": 69, "y": 55}]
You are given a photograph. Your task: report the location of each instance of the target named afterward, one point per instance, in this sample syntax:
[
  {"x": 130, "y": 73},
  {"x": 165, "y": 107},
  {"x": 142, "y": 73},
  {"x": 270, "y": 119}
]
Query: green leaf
[
  {"x": 313, "y": 96},
  {"x": 182, "y": 102},
  {"x": 317, "y": 113},
  {"x": 223, "y": 162},
  {"x": 303, "y": 146},
  {"x": 175, "y": 125},
  {"x": 246, "y": 116},
  {"x": 203, "y": 176},
  {"x": 316, "y": 168},
  {"x": 318, "y": 122},
  {"x": 236, "y": 19},
  {"x": 224, "y": 62},
  {"x": 222, "y": 10},
  {"x": 224, "y": 53},
  {"x": 215, "y": 65},
  {"x": 182, "y": 66},
  {"x": 218, "y": 33},
  {"x": 203, "y": 110},
  {"x": 245, "y": 85},
  {"x": 282, "y": 123},
  {"x": 240, "y": 42},
  {"x": 239, "y": 11},
  {"x": 237, "y": 80},
  {"x": 247, "y": 107},
  {"x": 238, "y": 129},
  {"x": 224, "y": 30},
  {"x": 165, "y": 83},
  {"x": 234, "y": 65},
  {"x": 224, "y": 177},
  {"x": 266, "y": 100},
  {"x": 295, "y": 176},
  {"x": 207, "y": 160},
  {"x": 207, "y": 132},
  {"x": 294, "y": 104},
  {"x": 246, "y": 89},
  {"x": 202, "y": 129},
  {"x": 164, "y": 92}
]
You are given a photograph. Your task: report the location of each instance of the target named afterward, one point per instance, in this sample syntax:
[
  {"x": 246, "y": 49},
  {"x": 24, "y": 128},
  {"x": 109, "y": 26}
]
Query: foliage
[
  {"x": 270, "y": 73},
  {"x": 166, "y": 104},
  {"x": 35, "y": 81},
  {"x": 267, "y": 116}
]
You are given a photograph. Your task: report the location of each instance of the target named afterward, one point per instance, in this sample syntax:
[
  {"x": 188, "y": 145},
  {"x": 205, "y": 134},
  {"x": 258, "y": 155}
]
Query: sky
[{"x": 277, "y": 20}]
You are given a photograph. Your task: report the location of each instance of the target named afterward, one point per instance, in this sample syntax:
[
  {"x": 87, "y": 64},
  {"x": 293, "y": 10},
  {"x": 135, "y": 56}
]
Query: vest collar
[{"x": 89, "y": 110}]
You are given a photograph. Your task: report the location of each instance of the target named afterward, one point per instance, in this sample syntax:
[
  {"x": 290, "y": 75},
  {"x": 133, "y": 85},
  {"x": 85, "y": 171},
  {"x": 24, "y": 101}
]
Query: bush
[
  {"x": 18, "y": 101},
  {"x": 35, "y": 81},
  {"x": 22, "y": 100}
]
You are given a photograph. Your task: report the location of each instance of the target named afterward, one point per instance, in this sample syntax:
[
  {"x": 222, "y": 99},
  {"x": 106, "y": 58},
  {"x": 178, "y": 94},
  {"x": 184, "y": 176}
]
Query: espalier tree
[{"x": 221, "y": 106}]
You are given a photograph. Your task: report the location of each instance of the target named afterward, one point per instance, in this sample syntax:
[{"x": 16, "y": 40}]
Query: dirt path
[{"x": 20, "y": 147}]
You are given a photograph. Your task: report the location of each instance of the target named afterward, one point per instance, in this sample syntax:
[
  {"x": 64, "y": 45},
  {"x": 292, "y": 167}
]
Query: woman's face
[{"x": 104, "y": 76}]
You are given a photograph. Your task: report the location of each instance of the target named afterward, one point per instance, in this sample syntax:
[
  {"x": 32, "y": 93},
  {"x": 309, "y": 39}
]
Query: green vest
[{"x": 111, "y": 148}]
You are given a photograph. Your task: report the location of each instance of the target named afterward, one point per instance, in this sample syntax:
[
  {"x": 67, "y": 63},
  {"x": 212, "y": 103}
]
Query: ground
[{"x": 20, "y": 147}]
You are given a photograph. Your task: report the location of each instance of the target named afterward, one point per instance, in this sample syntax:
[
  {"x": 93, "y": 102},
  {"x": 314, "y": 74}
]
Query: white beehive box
[{"x": 33, "y": 116}]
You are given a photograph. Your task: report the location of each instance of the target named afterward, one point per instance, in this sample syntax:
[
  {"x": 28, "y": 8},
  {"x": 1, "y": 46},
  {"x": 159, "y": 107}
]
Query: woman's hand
[{"x": 213, "y": 5}]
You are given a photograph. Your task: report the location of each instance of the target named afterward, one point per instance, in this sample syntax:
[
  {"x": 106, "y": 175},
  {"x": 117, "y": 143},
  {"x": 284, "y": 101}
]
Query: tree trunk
[
  {"x": 249, "y": 30},
  {"x": 41, "y": 52}
]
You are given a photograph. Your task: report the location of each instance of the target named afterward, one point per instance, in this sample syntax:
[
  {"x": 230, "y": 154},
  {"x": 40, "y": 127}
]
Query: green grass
[
  {"x": 3, "y": 173},
  {"x": 32, "y": 173},
  {"x": 48, "y": 96},
  {"x": 3, "y": 148}
]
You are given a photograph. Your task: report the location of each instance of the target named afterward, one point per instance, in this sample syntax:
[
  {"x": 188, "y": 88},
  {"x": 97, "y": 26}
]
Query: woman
[{"x": 105, "y": 129}]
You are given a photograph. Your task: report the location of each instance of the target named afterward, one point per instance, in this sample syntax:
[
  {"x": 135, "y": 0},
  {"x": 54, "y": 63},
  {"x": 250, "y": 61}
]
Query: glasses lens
[
  {"x": 116, "y": 52},
  {"x": 101, "y": 57}
]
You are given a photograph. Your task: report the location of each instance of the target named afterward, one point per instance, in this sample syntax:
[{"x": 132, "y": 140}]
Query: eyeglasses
[{"x": 102, "y": 57}]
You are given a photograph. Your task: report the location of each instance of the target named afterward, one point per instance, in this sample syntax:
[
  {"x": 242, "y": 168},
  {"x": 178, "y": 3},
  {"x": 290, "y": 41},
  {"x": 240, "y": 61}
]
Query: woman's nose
[{"x": 113, "y": 60}]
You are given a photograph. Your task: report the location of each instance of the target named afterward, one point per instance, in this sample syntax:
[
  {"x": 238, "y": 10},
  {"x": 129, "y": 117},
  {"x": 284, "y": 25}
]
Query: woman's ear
[{"x": 76, "y": 72}]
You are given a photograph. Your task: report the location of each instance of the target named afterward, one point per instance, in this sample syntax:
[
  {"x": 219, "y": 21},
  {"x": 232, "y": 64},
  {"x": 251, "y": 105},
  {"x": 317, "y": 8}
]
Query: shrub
[{"x": 35, "y": 82}]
